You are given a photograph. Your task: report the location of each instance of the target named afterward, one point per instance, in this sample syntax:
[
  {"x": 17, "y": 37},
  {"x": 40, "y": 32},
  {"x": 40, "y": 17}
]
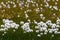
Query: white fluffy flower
[
  {"x": 9, "y": 24},
  {"x": 58, "y": 21},
  {"x": 49, "y": 22},
  {"x": 26, "y": 27}
]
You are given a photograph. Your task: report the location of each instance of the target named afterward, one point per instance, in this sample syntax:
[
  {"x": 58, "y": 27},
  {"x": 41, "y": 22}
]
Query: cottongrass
[
  {"x": 8, "y": 24},
  {"x": 26, "y": 27},
  {"x": 41, "y": 28}
]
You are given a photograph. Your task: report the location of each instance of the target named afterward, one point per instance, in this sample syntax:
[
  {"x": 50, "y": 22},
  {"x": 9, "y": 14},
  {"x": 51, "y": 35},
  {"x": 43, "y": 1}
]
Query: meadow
[{"x": 28, "y": 11}]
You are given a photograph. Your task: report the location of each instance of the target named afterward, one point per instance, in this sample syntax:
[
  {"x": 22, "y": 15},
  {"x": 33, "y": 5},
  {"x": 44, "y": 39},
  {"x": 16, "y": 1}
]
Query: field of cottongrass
[{"x": 29, "y": 19}]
